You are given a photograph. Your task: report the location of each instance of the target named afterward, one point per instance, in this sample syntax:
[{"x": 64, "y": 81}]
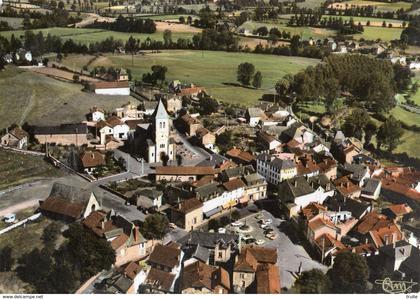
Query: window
[
  {"x": 220, "y": 254},
  {"x": 163, "y": 125},
  {"x": 160, "y": 125},
  {"x": 162, "y": 146},
  {"x": 195, "y": 220}
]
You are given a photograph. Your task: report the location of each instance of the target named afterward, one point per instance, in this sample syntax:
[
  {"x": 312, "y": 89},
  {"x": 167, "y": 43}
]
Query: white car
[
  {"x": 221, "y": 230},
  {"x": 237, "y": 223},
  {"x": 263, "y": 226},
  {"x": 10, "y": 218},
  {"x": 268, "y": 221},
  {"x": 260, "y": 242}
]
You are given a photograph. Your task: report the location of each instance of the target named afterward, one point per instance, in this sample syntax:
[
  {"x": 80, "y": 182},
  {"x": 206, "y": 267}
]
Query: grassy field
[
  {"x": 167, "y": 17},
  {"x": 216, "y": 71},
  {"x": 15, "y": 23},
  {"x": 95, "y": 35},
  {"x": 16, "y": 169},
  {"x": 310, "y": 3},
  {"x": 385, "y": 34},
  {"x": 405, "y": 116},
  {"x": 416, "y": 97},
  {"x": 29, "y": 97},
  {"x": 304, "y": 32},
  {"x": 373, "y": 21},
  {"x": 380, "y": 6}
]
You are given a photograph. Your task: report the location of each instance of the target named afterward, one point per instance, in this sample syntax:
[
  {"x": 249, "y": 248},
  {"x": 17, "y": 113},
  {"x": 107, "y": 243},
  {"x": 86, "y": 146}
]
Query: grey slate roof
[
  {"x": 61, "y": 129},
  {"x": 371, "y": 186},
  {"x": 209, "y": 189},
  {"x": 295, "y": 187},
  {"x": 357, "y": 171},
  {"x": 160, "y": 112},
  {"x": 70, "y": 193},
  {"x": 255, "y": 112},
  {"x": 201, "y": 253},
  {"x": 253, "y": 177},
  {"x": 238, "y": 171},
  {"x": 208, "y": 240},
  {"x": 338, "y": 203},
  {"x": 283, "y": 164}
]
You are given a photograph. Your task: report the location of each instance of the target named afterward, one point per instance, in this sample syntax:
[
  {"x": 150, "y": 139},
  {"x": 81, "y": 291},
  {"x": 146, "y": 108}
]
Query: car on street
[
  {"x": 259, "y": 242},
  {"x": 172, "y": 226},
  {"x": 221, "y": 230},
  {"x": 10, "y": 218},
  {"x": 264, "y": 226},
  {"x": 237, "y": 223}
]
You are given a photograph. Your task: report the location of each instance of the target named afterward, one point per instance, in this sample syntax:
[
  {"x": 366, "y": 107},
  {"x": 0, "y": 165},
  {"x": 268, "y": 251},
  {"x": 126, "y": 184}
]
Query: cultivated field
[
  {"x": 216, "y": 71},
  {"x": 46, "y": 101},
  {"x": 16, "y": 169}
]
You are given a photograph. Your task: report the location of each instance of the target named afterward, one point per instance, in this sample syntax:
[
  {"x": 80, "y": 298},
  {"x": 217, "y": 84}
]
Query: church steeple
[{"x": 160, "y": 112}]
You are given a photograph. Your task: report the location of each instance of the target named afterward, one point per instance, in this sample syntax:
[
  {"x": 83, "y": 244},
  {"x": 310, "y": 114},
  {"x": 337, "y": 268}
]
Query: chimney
[{"x": 103, "y": 224}]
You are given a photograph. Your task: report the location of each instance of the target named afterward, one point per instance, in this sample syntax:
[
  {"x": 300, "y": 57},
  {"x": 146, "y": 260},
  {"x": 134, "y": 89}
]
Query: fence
[
  {"x": 58, "y": 163},
  {"x": 12, "y": 149},
  {"x": 20, "y": 223}
]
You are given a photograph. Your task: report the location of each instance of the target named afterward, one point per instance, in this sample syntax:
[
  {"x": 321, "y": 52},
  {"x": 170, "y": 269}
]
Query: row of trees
[
  {"x": 122, "y": 24},
  {"x": 336, "y": 23},
  {"x": 411, "y": 34}
]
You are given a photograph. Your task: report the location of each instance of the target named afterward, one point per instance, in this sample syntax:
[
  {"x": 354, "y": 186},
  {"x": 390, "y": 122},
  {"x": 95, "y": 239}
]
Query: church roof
[{"x": 160, "y": 112}]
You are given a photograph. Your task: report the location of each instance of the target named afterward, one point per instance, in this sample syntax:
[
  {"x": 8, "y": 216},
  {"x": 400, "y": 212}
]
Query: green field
[
  {"x": 380, "y": 6},
  {"x": 95, "y": 35},
  {"x": 310, "y": 3},
  {"x": 216, "y": 71},
  {"x": 385, "y": 34},
  {"x": 304, "y": 32},
  {"x": 36, "y": 99},
  {"x": 167, "y": 17},
  {"x": 407, "y": 117},
  {"x": 373, "y": 21},
  {"x": 16, "y": 169}
]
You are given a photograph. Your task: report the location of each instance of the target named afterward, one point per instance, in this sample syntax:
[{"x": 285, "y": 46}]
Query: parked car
[
  {"x": 237, "y": 223},
  {"x": 250, "y": 241},
  {"x": 268, "y": 230},
  {"x": 10, "y": 218},
  {"x": 271, "y": 236},
  {"x": 172, "y": 225},
  {"x": 268, "y": 221},
  {"x": 260, "y": 242},
  {"x": 264, "y": 226},
  {"x": 221, "y": 230}
]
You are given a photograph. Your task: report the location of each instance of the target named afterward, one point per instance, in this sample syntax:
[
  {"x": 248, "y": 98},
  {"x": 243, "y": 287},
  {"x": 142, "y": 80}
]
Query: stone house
[
  {"x": 200, "y": 278},
  {"x": 206, "y": 138},
  {"x": 187, "y": 214},
  {"x": 16, "y": 137},
  {"x": 188, "y": 124},
  {"x": 65, "y": 134}
]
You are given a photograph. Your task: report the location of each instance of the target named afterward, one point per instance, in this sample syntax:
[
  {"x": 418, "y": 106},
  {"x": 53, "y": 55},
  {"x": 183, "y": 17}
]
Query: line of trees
[
  {"x": 411, "y": 34},
  {"x": 336, "y": 23},
  {"x": 123, "y": 24}
]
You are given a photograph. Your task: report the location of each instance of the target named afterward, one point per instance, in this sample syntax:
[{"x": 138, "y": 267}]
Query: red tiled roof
[
  {"x": 92, "y": 159},
  {"x": 185, "y": 170},
  {"x": 189, "y": 205},
  {"x": 96, "y": 222},
  {"x": 240, "y": 154},
  {"x": 400, "y": 209},
  {"x": 131, "y": 270},
  {"x": 18, "y": 133},
  {"x": 160, "y": 279},
  {"x": 165, "y": 255},
  {"x": 345, "y": 186},
  {"x": 119, "y": 241},
  {"x": 372, "y": 221},
  {"x": 115, "y": 84},
  {"x": 190, "y": 90},
  {"x": 268, "y": 279},
  {"x": 64, "y": 207},
  {"x": 233, "y": 184},
  {"x": 251, "y": 257}
]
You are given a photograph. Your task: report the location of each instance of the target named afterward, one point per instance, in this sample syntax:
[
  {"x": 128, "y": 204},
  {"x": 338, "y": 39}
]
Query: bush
[{"x": 6, "y": 259}]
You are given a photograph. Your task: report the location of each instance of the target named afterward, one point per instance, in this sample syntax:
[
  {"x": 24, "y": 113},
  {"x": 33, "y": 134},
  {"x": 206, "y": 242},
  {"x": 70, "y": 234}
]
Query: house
[
  {"x": 122, "y": 75},
  {"x": 346, "y": 187},
  {"x": 113, "y": 126},
  {"x": 183, "y": 173},
  {"x": 129, "y": 111},
  {"x": 298, "y": 132},
  {"x": 254, "y": 115},
  {"x": 123, "y": 280},
  {"x": 173, "y": 104},
  {"x": 69, "y": 203},
  {"x": 64, "y": 134},
  {"x": 345, "y": 150},
  {"x": 275, "y": 170},
  {"x": 96, "y": 114},
  {"x": 402, "y": 260},
  {"x": 414, "y": 65},
  {"x": 91, "y": 159},
  {"x": 239, "y": 156},
  {"x": 147, "y": 199},
  {"x": 200, "y": 278},
  {"x": 377, "y": 229},
  {"x": 206, "y": 138},
  {"x": 211, "y": 248},
  {"x": 187, "y": 214},
  {"x": 124, "y": 237},
  {"x": 165, "y": 262},
  {"x": 358, "y": 209},
  {"x": 358, "y": 173},
  {"x": 16, "y": 137},
  {"x": 188, "y": 124},
  {"x": 256, "y": 271},
  {"x": 371, "y": 189},
  {"x": 268, "y": 141},
  {"x": 121, "y": 88},
  {"x": 298, "y": 192},
  {"x": 190, "y": 91},
  {"x": 397, "y": 211},
  {"x": 255, "y": 187}
]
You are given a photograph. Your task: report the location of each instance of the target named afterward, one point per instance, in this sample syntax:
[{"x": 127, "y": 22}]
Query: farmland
[
  {"x": 216, "y": 71},
  {"x": 46, "y": 101},
  {"x": 374, "y": 33},
  {"x": 380, "y": 6},
  {"x": 16, "y": 169}
]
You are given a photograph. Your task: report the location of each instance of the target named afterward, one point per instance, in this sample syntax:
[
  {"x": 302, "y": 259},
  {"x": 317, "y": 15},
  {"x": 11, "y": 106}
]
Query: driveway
[{"x": 290, "y": 257}]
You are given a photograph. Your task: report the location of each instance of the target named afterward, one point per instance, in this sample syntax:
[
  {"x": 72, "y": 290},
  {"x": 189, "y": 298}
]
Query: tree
[
  {"x": 225, "y": 140},
  {"x": 282, "y": 86},
  {"x": 390, "y": 133},
  {"x": 349, "y": 273},
  {"x": 155, "y": 226},
  {"x": 262, "y": 31},
  {"x": 312, "y": 282},
  {"x": 167, "y": 38},
  {"x": 164, "y": 158},
  {"x": 132, "y": 46},
  {"x": 159, "y": 72},
  {"x": 236, "y": 215},
  {"x": 51, "y": 233},
  {"x": 208, "y": 105},
  {"x": 355, "y": 123},
  {"x": 370, "y": 130},
  {"x": 178, "y": 159},
  {"x": 6, "y": 259},
  {"x": 245, "y": 73},
  {"x": 182, "y": 19},
  {"x": 257, "y": 80},
  {"x": 213, "y": 224}
]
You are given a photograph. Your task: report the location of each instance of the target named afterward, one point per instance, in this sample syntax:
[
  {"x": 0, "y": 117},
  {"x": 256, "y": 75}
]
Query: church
[{"x": 153, "y": 139}]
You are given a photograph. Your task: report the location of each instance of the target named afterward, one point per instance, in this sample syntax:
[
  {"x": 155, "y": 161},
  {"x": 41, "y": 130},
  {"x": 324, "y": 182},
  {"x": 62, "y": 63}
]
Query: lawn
[
  {"x": 86, "y": 36},
  {"x": 407, "y": 117},
  {"x": 29, "y": 97},
  {"x": 216, "y": 71},
  {"x": 385, "y": 34},
  {"x": 304, "y": 32},
  {"x": 310, "y": 3},
  {"x": 16, "y": 169},
  {"x": 373, "y": 21}
]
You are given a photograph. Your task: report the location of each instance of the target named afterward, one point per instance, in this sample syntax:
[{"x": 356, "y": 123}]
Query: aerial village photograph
[{"x": 156, "y": 147}]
